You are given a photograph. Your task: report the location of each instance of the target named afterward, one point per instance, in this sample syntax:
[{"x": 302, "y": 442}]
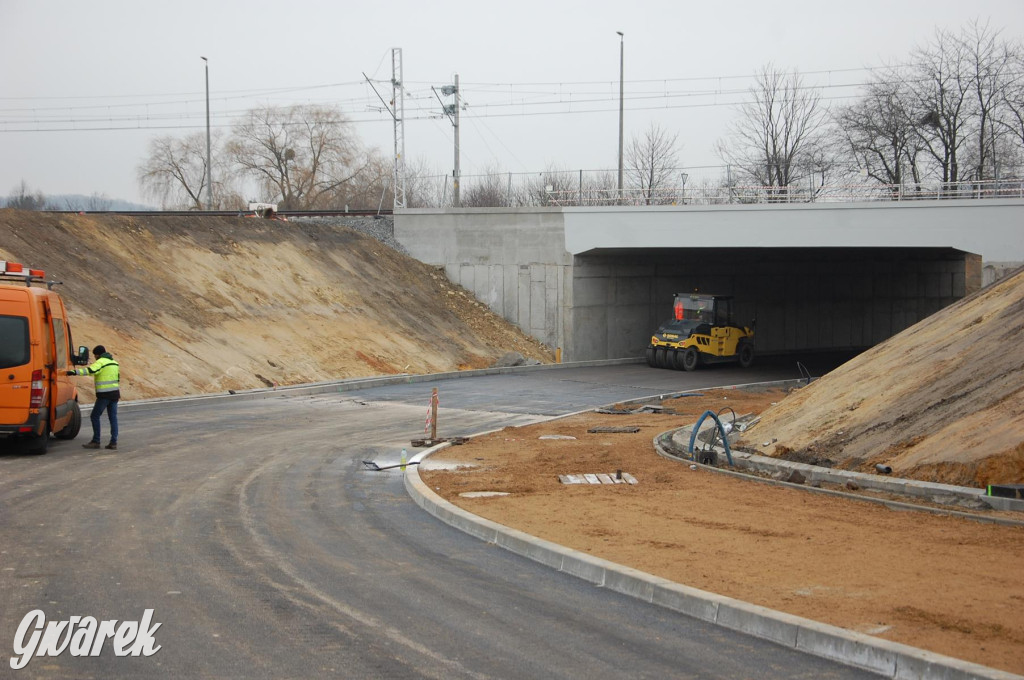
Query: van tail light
[{"x": 36, "y": 394}]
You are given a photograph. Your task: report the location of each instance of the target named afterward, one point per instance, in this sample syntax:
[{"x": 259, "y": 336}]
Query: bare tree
[
  {"x": 174, "y": 173},
  {"x": 940, "y": 86},
  {"x": 602, "y": 189},
  {"x": 98, "y": 202},
  {"x": 487, "y": 190},
  {"x": 651, "y": 162},
  {"x": 300, "y": 156},
  {"x": 710, "y": 191},
  {"x": 1013, "y": 103},
  {"x": 370, "y": 188},
  {"x": 1011, "y": 120},
  {"x": 770, "y": 140},
  {"x": 879, "y": 131},
  {"x": 820, "y": 162},
  {"x": 422, "y": 185},
  {"x": 22, "y": 198},
  {"x": 992, "y": 72},
  {"x": 949, "y": 115},
  {"x": 556, "y": 186}
]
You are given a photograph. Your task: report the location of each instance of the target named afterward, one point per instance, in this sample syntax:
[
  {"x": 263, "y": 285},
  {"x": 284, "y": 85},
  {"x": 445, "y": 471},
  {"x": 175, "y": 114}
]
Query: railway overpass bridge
[{"x": 596, "y": 281}]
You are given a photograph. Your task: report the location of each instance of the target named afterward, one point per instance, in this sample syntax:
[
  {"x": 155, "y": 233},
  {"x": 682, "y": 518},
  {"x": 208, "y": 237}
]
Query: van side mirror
[{"x": 82, "y": 358}]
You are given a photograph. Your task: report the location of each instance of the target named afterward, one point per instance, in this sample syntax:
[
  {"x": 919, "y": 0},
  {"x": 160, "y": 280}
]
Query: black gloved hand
[{"x": 69, "y": 372}]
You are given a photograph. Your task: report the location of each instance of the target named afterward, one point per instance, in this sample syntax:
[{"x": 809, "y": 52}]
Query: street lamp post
[
  {"x": 622, "y": 49},
  {"x": 209, "y": 170}
]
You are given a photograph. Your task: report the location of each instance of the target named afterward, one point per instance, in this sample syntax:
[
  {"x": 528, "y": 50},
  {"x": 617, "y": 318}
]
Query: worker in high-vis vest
[{"x": 107, "y": 376}]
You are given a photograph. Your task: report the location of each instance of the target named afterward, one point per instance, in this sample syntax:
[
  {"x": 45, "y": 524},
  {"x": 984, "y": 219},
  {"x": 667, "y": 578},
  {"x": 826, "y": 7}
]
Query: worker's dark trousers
[{"x": 110, "y": 406}]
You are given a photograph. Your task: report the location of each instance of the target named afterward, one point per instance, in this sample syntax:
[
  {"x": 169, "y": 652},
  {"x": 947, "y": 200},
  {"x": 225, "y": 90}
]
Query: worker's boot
[
  {"x": 91, "y": 445},
  {"x": 112, "y": 446}
]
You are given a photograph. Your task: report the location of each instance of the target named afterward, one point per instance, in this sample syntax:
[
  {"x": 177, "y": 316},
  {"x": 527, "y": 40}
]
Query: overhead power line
[
  {"x": 471, "y": 112},
  {"x": 170, "y": 98},
  {"x": 490, "y": 100}
]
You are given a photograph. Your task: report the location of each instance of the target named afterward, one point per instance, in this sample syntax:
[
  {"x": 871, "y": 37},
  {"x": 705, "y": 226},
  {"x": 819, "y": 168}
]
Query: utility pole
[
  {"x": 398, "y": 102},
  {"x": 457, "y": 177},
  {"x": 209, "y": 169},
  {"x": 622, "y": 52},
  {"x": 397, "y": 110},
  {"x": 452, "y": 111}
]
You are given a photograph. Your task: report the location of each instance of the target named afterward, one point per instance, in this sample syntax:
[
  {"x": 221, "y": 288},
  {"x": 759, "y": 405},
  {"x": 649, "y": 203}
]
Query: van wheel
[
  {"x": 70, "y": 430},
  {"x": 37, "y": 445}
]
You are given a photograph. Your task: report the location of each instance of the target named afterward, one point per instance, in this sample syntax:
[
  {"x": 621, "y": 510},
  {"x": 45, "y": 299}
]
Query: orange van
[{"x": 37, "y": 397}]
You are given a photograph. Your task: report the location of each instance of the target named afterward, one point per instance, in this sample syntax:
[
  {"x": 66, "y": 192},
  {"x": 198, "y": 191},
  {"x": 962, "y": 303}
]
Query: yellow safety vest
[{"x": 105, "y": 372}]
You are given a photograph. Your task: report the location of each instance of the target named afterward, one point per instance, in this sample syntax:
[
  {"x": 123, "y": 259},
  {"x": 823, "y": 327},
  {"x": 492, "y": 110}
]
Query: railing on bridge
[{"x": 751, "y": 194}]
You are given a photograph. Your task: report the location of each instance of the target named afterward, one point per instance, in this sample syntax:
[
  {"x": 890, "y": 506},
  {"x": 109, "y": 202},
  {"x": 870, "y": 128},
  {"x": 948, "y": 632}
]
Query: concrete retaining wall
[{"x": 514, "y": 261}]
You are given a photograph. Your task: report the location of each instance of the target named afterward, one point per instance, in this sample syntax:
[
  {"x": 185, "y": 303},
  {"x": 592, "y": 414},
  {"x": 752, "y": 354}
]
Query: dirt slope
[
  {"x": 204, "y": 304},
  {"x": 942, "y": 401}
]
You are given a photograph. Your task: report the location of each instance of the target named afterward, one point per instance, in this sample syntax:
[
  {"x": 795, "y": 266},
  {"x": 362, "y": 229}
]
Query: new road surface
[{"x": 266, "y": 549}]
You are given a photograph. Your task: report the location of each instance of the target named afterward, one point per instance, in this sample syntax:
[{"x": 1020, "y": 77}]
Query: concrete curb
[
  {"x": 889, "y": 659},
  {"x": 906, "y": 487}
]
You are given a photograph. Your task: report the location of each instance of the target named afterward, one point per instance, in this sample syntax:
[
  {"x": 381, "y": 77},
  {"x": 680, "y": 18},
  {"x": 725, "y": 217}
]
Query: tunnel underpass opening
[{"x": 803, "y": 299}]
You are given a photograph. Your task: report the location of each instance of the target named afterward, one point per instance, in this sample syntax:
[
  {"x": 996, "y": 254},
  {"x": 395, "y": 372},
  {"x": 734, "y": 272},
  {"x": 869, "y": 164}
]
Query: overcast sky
[{"x": 86, "y": 85}]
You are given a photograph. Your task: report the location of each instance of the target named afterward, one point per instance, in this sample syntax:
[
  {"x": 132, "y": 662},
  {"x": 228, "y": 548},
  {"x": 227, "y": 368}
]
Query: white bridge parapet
[{"x": 992, "y": 228}]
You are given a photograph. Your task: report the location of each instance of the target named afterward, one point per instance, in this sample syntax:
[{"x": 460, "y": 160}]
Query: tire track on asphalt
[{"x": 305, "y": 593}]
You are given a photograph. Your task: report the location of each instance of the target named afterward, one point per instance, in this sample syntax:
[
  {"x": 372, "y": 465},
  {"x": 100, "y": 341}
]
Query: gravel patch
[{"x": 381, "y": 227}]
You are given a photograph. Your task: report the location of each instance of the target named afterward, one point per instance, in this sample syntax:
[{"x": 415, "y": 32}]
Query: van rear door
[{"x": 15, "y": 369}]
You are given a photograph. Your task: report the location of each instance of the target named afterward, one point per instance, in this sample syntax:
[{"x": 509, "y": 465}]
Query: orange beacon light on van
[{"x": 17, "y": 270}]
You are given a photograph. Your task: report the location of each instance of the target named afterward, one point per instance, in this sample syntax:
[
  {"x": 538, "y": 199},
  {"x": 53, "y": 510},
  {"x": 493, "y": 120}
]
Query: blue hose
[{"x": 721, "y": 429}]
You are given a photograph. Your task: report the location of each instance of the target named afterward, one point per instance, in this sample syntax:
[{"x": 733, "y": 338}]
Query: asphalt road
[{"x": 267, "y": 550}]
